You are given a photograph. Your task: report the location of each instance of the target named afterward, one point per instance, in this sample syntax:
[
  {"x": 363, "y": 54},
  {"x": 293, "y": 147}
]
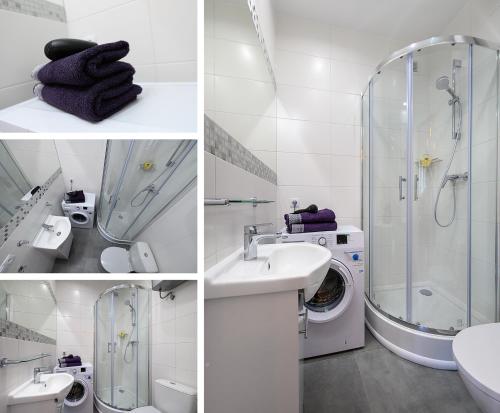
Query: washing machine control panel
[{"x": 325, "y": 240}]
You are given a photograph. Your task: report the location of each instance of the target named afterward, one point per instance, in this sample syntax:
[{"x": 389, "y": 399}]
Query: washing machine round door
[
  {"x": 78, "y": 393},
  {"x": 79, "y": 217},
  {"x": 334, "y": 295}
]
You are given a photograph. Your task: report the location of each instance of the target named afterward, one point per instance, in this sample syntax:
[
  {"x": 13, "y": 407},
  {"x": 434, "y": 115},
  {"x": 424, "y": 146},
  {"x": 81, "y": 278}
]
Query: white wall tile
[
  {"x": 298, "y": 69},
  {"x": 345, "y": 108},
  {"x": 303, "y": 169},
  {"x": 303, "y": 36},
  {"x": 303, "y": 103},
  {"x": 233, "y": 22},
  {"x": 303, "y": 136},
  {"x": 239, "y": 60},
  {"x": 243, "y": 96},
  {"x": 174, "y": 335},
  {"x": 174, "y": 28},
  {"x": 131, "y": 22}
]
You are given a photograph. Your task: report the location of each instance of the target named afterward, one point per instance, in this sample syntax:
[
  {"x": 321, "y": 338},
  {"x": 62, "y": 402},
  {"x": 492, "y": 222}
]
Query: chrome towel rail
[
  {"x": 225, "y": 201},
  {"x": 6, "y": 362}
]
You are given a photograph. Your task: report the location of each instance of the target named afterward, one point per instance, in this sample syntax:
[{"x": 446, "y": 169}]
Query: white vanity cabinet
[{"x": 252, "y": 354}]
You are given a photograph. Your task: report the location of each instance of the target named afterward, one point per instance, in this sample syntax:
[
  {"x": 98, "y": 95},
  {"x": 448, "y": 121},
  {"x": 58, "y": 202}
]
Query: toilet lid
[
  {"x": 115, "y": 260},
  {"x": 476, "y": 351},
  {"x": 146, "y": 409}
]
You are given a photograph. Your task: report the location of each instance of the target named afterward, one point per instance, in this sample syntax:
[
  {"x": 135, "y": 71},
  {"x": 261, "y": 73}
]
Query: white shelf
[{"x": 161, "y": 107}]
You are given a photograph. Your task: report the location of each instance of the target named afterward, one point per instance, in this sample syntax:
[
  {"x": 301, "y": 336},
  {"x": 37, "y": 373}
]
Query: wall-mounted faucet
[
  {"x": 48, "y": 227},
  {"x": 251, "y": 239},
  {"x": 38, "y": 371}
]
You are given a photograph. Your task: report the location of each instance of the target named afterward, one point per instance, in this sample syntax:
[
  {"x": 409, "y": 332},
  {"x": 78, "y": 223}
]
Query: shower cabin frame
[
  {"x": 401, "y": 336},
  {"x": 109, "y": 408},
  {"x": 184, "y": 148}
]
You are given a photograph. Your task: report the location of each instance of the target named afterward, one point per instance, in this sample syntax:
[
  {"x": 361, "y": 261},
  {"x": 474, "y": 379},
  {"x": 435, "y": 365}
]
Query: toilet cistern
[{"x": 251, "y": 239}]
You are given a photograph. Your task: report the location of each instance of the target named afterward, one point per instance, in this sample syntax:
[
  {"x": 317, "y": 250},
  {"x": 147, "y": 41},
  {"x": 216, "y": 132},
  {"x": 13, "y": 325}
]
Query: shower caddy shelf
[
  {"x": 226, "y": 202},
  {"x": 4, "y": 361}
]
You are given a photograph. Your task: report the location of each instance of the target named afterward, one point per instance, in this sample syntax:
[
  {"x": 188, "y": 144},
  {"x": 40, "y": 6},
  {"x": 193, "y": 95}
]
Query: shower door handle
[
  {"x": 401, "y": 180},
  {"x": 109, "y": 347},
  {"x": 415, "y": 198}
]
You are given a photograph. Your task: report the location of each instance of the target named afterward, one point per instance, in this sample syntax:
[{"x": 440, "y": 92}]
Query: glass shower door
[
  {"x": 125, "y": 336},
  {"x": 103, "y": 349},
  {"x": 141, "y": 180},
  {"x": 388, "y": 189},
  {"x": 439, "y": 194}
]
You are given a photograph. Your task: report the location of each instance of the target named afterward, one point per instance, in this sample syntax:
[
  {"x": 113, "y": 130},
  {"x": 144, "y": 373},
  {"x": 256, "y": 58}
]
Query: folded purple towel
[
  {"x": 72, "y": 364},
  {"x": 87, "y": 67},
  {"x": 70, "y": 359},
  {"x": 314, "y": 227},
  {"x": 323, "y": 215},
  {"x": 94, "y": 103}
]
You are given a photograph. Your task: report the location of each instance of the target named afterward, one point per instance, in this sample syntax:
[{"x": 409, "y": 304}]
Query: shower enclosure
[
  {"x": 141, "y": 179},
  {"x": 121, "y": 349},
  {"x": 13, "y": 185},
  {"x": 430, "y": 195}
]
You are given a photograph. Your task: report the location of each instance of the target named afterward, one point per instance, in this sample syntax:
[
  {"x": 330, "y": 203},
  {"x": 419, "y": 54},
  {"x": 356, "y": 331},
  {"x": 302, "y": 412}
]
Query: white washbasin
[
  {"x": 51, "y": 387},
  {"x": 56, "y": 241},
  {"x": 278, "y": 267}
]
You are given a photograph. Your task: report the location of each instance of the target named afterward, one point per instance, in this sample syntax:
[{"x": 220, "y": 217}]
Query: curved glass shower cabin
[
  {"x": 142, "y": 178},
  {"x": 430, "y": 190},
  {"x": 121, "y": 349}
]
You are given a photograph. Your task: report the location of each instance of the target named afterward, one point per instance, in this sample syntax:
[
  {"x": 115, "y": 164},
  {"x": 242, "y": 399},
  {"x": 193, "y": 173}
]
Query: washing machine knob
[
  {"x": 322, "y": 241},
  {"x": 355, "y": 257}
]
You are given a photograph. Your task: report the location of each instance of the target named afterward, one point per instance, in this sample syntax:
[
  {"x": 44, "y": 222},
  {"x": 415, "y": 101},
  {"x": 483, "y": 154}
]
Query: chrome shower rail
[
  {"x": 6, "y": 362},
  {"x": 433, "y": 41}
]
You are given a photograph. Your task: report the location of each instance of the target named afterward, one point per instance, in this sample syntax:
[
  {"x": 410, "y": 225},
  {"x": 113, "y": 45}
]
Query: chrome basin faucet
[
  {"x": 48, "y": 227},
  {"x": 252, "y": 237},
  {"x": 38, "y": 371}
]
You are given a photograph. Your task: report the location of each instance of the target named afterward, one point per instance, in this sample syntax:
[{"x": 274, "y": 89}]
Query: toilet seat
[
  {"x": 476, "y": 352},
  {"x": 115, "y": 260},
  {"x": 146, "y": 409}
]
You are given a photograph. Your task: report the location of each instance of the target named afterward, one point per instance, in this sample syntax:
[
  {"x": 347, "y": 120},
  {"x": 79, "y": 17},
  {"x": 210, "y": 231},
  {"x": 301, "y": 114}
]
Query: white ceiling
[{"x": 411, "y": 20}]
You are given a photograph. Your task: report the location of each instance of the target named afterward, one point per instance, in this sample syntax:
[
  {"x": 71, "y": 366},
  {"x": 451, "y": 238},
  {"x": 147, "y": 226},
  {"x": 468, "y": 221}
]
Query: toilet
[
  {"x": 139, "y": 258},
  {"x": 476, "y": 352},
  {"x": 170, "y": 397}
]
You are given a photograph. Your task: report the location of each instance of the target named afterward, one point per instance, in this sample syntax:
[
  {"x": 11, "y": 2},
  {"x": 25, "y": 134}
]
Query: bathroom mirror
[
  {"x": 30, "y": 304},
  {"x": 24, "y": 165},
  {"x": 239, "y": 81}
]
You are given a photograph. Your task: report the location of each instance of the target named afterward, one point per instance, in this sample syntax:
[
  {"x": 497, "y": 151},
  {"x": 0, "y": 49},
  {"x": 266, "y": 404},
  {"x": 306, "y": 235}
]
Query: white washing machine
[
  {"x": 81, "y": 214},
  {"x": 336, "y": 312},
  {"x": 81, "y": 396}
]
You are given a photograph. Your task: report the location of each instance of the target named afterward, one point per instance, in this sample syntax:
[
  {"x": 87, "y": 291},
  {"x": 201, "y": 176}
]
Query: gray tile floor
[
  {"x": 374, "y": 380},
  {"x": 84, "y": 254}
]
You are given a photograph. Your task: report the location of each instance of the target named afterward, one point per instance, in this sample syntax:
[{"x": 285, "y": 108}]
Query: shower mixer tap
[{"x": 454, "y": 178}]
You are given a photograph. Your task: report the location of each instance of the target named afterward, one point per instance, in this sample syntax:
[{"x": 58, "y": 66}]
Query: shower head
[
  {"x": 443, "y": 83},
  {"x": 132, "y": 310}
]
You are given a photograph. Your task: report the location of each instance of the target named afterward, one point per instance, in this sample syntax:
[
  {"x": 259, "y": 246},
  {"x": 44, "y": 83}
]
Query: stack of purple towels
[
  {"x": 322, "y": 220},
  {"x": 91, "y": 84},
  {"x": 70, "y": 361}
]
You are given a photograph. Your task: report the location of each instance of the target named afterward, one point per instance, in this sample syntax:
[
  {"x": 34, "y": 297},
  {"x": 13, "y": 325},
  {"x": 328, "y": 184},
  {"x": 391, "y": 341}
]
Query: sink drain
[{"x": 426, "y": 292}]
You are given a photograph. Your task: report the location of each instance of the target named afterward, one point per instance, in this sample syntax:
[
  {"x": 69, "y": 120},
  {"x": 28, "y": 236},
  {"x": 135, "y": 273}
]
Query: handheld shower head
[{"x": 443, "y": 83}]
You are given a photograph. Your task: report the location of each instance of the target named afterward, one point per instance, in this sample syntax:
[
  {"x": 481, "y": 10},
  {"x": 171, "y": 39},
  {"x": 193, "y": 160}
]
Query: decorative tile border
[
  {"x": 24, "y": 209},
  {"x": 221, "y": 144},
  {"x": 13, "y": 330},
  {"x": 38, "y": 8},
  {"x": 260, "y": 34}
]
